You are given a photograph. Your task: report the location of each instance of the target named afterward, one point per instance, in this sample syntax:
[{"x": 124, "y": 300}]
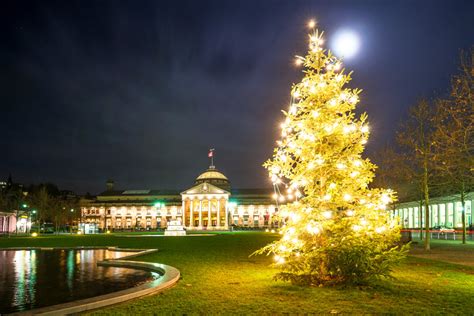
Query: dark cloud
[{"x": 138, "y": 91}]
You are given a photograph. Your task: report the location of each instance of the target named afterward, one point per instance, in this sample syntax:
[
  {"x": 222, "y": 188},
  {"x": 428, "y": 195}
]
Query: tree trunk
[
  {"x": 16, "y": 224},
  {"x": 463, "y": 215},
  {"x": 420, "y": 218},
  {"x": 427, "y": 206}
]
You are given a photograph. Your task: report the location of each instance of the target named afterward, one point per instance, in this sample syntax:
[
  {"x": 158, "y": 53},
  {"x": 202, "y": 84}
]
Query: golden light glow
[
  {"x": 311, "y": 23},
  {"x": 319, "y": 175}
]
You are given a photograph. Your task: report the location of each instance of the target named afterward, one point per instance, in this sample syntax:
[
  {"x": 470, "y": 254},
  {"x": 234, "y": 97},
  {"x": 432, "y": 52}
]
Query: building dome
[{"x": 214, "y": 177}]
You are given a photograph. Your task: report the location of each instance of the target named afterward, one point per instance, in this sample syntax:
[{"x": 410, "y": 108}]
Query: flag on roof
[{"x": 211, "y": 153}]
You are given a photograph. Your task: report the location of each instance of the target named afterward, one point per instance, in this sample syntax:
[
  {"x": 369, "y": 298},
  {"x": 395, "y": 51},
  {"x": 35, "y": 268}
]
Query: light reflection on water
[{"x": 36, "y": 278}]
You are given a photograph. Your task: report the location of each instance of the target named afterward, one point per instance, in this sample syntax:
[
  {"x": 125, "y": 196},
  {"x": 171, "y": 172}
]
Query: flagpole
[{"x": 211, "y": 155}]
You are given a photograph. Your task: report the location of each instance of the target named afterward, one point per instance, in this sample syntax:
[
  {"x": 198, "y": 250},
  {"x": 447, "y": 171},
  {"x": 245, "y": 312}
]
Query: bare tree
[
  {"x": 416, "y": 140},
  {"x": 454, "y": 134},
  {"x": 41, "y": 201}
]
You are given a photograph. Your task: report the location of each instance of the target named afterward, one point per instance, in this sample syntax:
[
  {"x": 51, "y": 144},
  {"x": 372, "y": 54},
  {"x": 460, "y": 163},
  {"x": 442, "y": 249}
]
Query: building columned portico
[
  {"x": 205, "y": 207},
  {"x": 7, "y": 222},
  {"x": 444, "y": 211}
]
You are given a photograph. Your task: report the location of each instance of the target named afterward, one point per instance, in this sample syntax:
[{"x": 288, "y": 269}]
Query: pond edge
[{"x": 170, "y": 276}]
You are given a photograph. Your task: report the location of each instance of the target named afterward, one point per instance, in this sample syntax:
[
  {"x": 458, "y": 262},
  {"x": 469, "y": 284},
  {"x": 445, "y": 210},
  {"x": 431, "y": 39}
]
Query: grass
[{"x": 219, "y": 277}]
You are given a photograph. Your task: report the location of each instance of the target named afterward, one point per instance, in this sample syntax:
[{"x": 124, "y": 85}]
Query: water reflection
[{"x": 36, "y": 278}]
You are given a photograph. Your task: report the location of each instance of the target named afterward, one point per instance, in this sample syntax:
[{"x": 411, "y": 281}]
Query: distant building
[
  {"x": 7, "y": 222},
  {"x": 210, "y": 204},
  {"x": 445, "y": 211},
  {"x": 14, "y": 219}
]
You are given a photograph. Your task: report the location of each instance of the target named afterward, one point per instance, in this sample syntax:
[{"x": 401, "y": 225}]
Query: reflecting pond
[{"x": 37, "y": 278}]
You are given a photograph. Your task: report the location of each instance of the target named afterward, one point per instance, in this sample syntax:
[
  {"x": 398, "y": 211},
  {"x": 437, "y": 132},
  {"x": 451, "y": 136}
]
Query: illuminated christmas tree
[{"x": 336, "y": 229}]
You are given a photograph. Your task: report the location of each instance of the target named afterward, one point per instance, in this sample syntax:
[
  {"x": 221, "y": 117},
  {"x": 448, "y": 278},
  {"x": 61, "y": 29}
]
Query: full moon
[{"x": 345, "y": 44}]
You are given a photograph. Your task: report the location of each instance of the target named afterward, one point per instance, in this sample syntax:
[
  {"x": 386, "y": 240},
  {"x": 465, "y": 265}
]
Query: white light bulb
[{"x": 354, "y": 174}]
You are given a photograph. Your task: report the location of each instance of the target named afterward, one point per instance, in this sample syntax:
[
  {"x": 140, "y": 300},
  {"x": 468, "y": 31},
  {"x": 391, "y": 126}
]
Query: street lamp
[
  {"x": 72, "y": 222},
  {"x": 31, "y": 217}
]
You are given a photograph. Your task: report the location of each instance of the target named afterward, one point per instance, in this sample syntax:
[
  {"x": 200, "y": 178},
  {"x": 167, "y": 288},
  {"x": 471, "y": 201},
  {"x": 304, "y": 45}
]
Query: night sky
[{"x": 138, "y": 91}]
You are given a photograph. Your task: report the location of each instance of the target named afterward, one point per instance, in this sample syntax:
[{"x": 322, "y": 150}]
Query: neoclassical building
[
  {"x": 445, "y": 211},
  {"x": 7, "y": 222},
  {"x": 210, "y": 204}
]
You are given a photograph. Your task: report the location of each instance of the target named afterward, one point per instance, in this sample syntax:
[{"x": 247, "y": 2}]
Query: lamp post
[
  {"x": 18, "y": 220},
  {"x": 31, "y": 217},
  {"x": 72, "y": 222}
]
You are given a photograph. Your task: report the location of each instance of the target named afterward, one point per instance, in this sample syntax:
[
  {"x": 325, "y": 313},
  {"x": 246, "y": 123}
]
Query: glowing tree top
[{"x": 334, "y": 224}]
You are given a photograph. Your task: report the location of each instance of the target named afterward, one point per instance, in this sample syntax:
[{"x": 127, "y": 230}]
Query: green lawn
[{"x": 219, "y": 277}]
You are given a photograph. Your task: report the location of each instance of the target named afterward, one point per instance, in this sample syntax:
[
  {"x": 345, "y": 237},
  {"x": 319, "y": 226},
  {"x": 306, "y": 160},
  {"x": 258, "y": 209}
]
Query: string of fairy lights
[
  {"x": 316, "y": 41},
  {"x": 289, "y": 187}
]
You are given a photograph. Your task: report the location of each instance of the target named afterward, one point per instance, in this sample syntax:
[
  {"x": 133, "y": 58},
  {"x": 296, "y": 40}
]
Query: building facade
[
  {"x": 445, "y": 211},
  {"x": 8, "y": 222},
  {"x": 210, "y": 204}
]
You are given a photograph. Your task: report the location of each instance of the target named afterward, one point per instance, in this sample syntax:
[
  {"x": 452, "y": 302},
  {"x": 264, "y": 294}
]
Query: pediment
[{"x": 205, "y": 188}]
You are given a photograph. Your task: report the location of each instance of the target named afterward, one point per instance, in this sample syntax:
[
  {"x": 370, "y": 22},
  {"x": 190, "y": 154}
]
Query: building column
[
  {"x": 446, "y": 214},
  {"x": 431, "y": 216},
  {"x": 226, "y": 225},
  {"x": 209, "y": 221},
  {"x": 218, "y": 213},
  {"x": 472, "y": 211},
  {"x": 200, "y": 214},
  {"x": 438, "y": 209},
  {"x": 455, "y": 219},
  {"x": 183, "y": 213},
  {"x": 191, "y": 213}
]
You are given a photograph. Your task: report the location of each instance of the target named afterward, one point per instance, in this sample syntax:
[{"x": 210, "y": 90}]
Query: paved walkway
[{"x": 446, "y": 251}]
